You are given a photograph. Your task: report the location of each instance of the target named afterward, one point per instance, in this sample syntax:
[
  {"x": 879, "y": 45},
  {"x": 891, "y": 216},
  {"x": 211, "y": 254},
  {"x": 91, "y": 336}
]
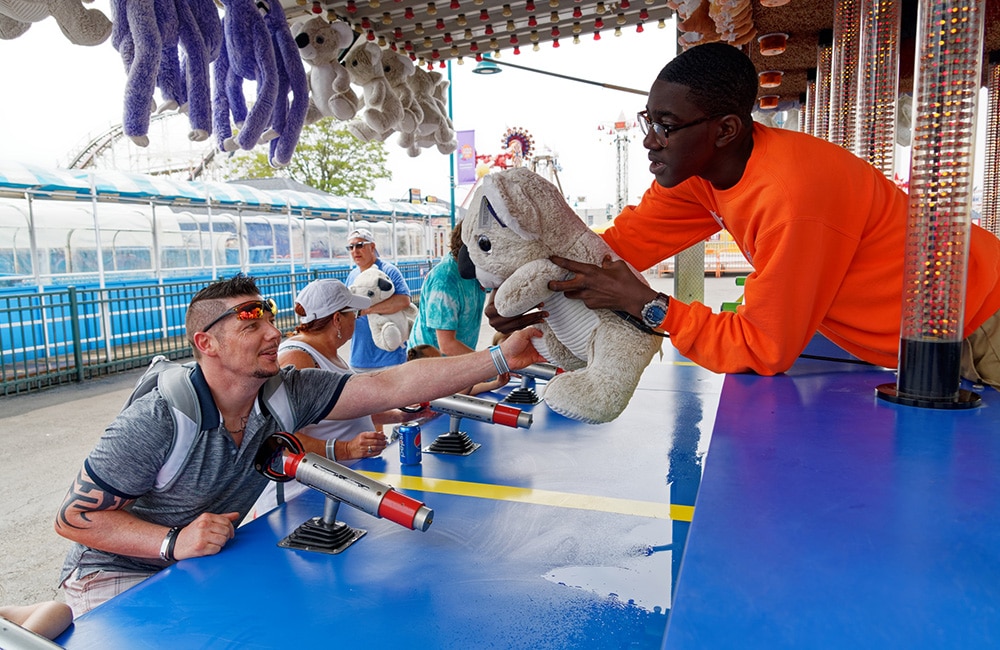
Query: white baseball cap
[
  {"x": 362, "y": 233},
  {"x": 320, "y": 298}
]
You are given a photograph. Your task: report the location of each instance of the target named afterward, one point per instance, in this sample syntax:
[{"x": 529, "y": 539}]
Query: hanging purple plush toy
[
  {"x": 289, "y": 114},
  {"x": 247, "y": 53}
]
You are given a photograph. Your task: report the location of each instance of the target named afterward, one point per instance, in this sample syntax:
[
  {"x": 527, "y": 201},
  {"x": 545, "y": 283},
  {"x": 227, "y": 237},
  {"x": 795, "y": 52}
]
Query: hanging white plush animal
[{"x": 516, "y": 221}]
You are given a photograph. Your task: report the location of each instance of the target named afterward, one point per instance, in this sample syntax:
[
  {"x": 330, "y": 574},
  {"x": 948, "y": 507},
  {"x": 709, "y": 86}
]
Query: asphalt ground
[{"x": 44, "y": 437}]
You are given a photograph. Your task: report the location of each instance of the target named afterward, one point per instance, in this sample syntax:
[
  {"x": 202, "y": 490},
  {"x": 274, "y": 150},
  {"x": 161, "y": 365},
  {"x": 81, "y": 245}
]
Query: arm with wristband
[{"x": 423, "y": 380}]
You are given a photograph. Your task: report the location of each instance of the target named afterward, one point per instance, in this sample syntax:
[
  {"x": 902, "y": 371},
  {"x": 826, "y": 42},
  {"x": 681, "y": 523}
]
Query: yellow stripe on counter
[
  {"x": 537, "y": 497},
  {"x": 681, "y": 513}
]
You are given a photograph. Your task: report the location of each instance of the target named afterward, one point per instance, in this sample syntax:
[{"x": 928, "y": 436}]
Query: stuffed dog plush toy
[{"x": 516, "y": 221}]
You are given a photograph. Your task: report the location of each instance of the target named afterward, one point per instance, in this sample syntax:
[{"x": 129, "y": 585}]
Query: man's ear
[
  {"x": 205, "y": 343},
  {"x": 730, "y": 129}
]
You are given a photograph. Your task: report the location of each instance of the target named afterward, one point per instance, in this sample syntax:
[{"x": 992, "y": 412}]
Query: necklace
[{"x": 238, "y": 432}]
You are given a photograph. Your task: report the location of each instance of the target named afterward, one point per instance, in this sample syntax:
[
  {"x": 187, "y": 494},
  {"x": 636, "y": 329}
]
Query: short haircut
[
  {"x": 207, "y": 303},
  {"x": 419, "y": 351},
  {"x": 721, "y": 79},
  {"x": 455, "y": 243}
]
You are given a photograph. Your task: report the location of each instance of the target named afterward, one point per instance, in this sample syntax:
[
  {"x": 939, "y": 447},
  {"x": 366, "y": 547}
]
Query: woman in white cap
[{"x": 327, "y": 313}]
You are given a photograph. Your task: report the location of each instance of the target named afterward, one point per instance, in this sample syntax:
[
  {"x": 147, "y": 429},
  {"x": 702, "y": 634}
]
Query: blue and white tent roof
[
  {"x": 229, "y": 194},
  {"x": 111, "y": 183},
  {"x": 17, "y": 179}
]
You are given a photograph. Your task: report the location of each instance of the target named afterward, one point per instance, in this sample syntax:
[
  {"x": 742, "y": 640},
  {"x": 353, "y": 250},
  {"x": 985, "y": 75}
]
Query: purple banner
[{"x": 465, "y": 156}]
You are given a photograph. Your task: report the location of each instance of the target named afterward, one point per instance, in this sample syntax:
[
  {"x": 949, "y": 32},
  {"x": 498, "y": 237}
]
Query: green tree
[{"x": 327, "y": 157}]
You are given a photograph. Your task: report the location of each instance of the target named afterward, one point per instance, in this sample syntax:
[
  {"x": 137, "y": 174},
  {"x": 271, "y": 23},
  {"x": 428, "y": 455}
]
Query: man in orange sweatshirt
[{"x": 823, "y": 229}]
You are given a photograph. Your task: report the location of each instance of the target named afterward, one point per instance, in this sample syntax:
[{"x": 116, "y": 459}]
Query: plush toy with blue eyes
[{"x": 515, "y": 222}]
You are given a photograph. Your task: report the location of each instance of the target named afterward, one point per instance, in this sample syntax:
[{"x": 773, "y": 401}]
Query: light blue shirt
[{"x": 448, "y": 302}]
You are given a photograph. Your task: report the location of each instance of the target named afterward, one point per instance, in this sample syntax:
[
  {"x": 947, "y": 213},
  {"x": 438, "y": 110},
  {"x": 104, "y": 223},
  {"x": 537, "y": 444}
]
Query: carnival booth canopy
[{"x": 432, "y": 32}]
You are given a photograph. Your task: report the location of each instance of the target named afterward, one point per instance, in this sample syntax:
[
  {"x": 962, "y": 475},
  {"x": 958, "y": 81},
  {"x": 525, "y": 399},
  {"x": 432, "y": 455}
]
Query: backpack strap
[
  {"x": 176, "y": 388},
  {"x": 274, "y": 397}
]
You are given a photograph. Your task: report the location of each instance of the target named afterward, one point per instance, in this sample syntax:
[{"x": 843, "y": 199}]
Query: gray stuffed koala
[{"x": 516, "y": 221}]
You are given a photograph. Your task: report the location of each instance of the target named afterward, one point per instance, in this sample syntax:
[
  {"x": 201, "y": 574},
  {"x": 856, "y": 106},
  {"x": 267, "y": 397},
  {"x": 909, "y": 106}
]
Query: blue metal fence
[{"x": 58, "y": 335}]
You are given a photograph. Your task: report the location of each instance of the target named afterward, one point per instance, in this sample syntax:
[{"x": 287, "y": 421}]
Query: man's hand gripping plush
[
  {"x": 612, "y": 285},
  {"x": 518, "y": 350}
]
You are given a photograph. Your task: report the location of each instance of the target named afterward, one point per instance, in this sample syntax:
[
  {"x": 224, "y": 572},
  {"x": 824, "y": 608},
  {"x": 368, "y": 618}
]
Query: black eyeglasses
[
  {"x": 662, "y": 131},
  {"x": 250, "y": 310},
  {"x": 360, "y": 244}
]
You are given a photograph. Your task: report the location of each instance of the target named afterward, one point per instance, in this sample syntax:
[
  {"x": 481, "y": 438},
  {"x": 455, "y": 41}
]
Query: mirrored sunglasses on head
[{"x": 250, "y": 310}]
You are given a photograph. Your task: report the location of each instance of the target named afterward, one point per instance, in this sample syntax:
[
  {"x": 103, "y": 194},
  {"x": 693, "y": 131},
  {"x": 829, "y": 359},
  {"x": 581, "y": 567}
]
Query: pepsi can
[{"x": 409, "y": 443}]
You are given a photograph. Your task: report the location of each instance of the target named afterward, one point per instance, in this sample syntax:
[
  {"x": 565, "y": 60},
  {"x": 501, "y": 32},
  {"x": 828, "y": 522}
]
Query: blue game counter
[
  {"x": 564, "y": 535},
  {"x": 827, "y": 518}
]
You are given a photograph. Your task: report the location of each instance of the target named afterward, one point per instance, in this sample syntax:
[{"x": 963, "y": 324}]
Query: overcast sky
[{"x": 57, "y": 96}]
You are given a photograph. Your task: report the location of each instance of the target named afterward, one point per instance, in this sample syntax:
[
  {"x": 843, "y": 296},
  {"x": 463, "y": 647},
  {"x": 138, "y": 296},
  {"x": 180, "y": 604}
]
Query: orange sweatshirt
[{"x": 825, "y": 233}]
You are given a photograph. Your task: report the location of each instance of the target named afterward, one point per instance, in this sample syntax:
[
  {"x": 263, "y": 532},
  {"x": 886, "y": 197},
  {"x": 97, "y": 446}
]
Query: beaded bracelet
[
  {"x": 498, "y": 361},
  {"x": 167, "y": 547}
]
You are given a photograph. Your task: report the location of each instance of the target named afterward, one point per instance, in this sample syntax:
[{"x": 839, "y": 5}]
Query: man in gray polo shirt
[{"x": 127, "y": 525}]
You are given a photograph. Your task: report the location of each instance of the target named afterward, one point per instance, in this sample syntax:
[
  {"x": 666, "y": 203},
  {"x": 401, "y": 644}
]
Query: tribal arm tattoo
[{"x": 84, "y": 498}]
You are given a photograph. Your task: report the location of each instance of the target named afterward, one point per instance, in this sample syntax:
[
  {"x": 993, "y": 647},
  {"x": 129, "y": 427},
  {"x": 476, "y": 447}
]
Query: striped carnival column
[
  {"x": 878, "y": 85},
  {"x": 991, "y": 178},
  {"x": 809, "y": 103},
  {"x": 824, "y": 66},
  {"x": 844, "y": 72},
  {"x": 946, "y": 89}
]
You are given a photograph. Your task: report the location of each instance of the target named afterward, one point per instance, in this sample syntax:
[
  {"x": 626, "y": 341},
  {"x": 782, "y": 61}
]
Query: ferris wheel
[{"x": 520, "y": 144}]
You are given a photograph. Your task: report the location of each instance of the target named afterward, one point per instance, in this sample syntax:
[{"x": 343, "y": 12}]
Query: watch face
[{"x": 653, "y": 314}]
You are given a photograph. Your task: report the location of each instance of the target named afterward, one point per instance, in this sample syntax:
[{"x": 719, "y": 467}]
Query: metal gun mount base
[
  {"x": 324, "y": 534},
  {"x": 523, "y": 394},
  {"x": 454, "y": 443}
]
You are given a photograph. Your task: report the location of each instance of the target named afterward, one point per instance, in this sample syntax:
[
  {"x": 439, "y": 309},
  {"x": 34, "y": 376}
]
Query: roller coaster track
[{"x": 88, "y": 156}]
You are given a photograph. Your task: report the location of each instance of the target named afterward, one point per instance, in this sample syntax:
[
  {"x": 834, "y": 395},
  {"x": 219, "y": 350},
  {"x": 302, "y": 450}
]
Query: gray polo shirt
[{"x": 217, "y": 476}]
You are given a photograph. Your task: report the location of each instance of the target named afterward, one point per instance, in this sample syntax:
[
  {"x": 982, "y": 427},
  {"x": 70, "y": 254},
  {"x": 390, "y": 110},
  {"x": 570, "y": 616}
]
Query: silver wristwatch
[{"x": 655, "y": 311}]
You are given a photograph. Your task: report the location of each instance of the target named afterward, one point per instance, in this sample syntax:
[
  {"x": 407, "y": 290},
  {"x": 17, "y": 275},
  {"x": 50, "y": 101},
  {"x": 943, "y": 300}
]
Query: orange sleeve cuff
[{"x": 677, "y": 314}]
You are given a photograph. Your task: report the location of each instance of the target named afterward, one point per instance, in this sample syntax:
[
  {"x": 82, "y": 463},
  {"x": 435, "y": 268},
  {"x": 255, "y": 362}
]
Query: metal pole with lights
[
  {"x": 453, "y": 161},
  {"x": 620, "y": 128}
]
